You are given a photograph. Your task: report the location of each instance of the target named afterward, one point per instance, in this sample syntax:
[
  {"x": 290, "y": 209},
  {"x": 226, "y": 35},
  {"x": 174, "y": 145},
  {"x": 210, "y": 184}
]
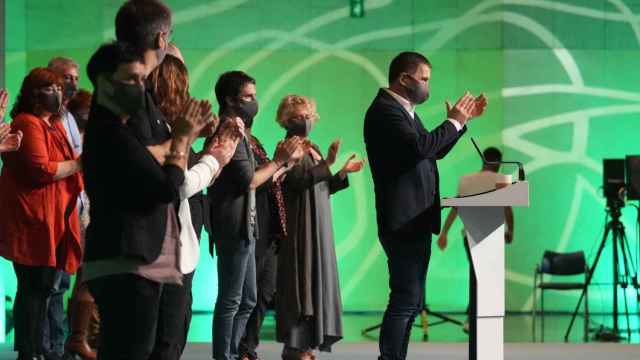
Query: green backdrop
[{"x": 561, "y": 77}]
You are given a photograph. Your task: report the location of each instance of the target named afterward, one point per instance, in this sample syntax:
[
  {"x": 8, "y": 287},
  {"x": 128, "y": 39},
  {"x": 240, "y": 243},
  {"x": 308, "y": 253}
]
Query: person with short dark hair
[
  {"x": 403, "y": 154},
  {"x": 145, "y": 25},
  {"x": 79, "y": 107},
  {"x": 39, "y": 188},
  {"x": 132, "y": 245},
  {"x": 487, "y": 179},
  {"x": 234, "y": 217}
]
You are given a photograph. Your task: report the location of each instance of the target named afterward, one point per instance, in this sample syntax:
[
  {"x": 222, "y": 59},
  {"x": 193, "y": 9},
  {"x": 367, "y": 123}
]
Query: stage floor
[
  {"x": 436, "y": 351},
  {"x": 446, "y": 341}
]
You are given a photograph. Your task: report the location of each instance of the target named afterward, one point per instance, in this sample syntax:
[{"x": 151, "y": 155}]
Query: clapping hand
[
  {"x": 352, "y": 165},
  {"x": 286, "y": 150},
  {"x": 466, "y": 108},
  {"x": 4, "y": 99},
  {"x": 332, "y": 153},
  {"x": 9, "y": 141},
  {"x": 223, "y": 145},
  {"x": 194, "y": 119}
]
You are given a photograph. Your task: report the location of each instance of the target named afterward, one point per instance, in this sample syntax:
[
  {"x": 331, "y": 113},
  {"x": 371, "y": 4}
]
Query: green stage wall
[{"x": 561, "y": 77}]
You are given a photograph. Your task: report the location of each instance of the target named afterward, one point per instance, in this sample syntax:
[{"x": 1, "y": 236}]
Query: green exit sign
[{"x": 357, "y": 8}]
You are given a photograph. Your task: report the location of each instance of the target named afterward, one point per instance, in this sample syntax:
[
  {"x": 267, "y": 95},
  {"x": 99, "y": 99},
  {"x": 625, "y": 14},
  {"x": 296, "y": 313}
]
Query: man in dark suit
[{"x": 403, "y": 155}]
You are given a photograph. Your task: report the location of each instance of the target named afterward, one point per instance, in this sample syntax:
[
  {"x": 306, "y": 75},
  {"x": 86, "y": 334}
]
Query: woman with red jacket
[{"x": 39, "y": 188}]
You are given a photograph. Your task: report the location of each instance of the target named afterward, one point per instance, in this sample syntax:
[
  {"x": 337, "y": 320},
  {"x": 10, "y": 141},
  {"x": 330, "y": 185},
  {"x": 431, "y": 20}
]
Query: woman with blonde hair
[{"x": 308, "y": 305}]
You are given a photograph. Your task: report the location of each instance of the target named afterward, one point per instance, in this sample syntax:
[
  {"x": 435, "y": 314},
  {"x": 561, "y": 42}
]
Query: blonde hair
[
  {"x": 59, "y": 64},
  {"x": 288, "y": 105}
]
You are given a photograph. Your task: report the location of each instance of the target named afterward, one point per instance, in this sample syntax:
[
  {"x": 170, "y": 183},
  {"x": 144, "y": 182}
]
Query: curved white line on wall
[
  {"x": 544, "y": 157},
  {"x": 367, "y": 262},
  {"x": 540, "y": 89},
  {"x": 582, "y": 188},
  {"x": 288, "y": 36},
  {"x": 629, "y": 16},
  {"x": 191, "y": 14},
  {"x": 319, "y": 46},
  {"x": 572, "y": 9},
  {"x": 564, "y": 56},
  {"x": 317, "y": 23}
]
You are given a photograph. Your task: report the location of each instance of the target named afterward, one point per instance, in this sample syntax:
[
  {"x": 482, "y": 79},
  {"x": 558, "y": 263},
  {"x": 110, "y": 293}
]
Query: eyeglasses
[{"x": 69, "y": 78}]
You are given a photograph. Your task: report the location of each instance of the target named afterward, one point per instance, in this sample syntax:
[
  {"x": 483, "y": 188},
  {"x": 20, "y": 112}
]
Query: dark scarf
[{"x": 276, "y": 202}]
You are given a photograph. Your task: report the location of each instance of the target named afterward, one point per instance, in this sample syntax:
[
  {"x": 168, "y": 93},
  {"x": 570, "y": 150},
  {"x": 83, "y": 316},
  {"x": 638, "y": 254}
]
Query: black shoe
[
  {"x": 24, "y": 356},
  {"x": 51, "y": 356}
]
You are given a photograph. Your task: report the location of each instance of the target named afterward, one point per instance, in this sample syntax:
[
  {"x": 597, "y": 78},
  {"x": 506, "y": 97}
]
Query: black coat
[
  {"x": 402, "y": 155},
  {"x": 228, "y": 199},
  {"x": 128, "y": 189}
]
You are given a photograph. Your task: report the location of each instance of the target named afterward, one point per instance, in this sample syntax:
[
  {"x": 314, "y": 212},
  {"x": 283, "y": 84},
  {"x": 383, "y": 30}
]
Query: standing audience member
[
  {"x": 132, "y": 246},
  {"x": 308, "y": 304},
  {"x": 81, "y": 310},
  {"x": 271, "y": 222},
  {"x": 54, "y": 323},
  {"x": 403, "y": 155},
  {"x": 234, "y": 223},
  {"x": 171, "y": 88},
  {"x": 39, "y": 187}
]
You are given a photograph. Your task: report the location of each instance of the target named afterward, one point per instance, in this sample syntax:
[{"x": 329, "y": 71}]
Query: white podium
[{"x": 483, "y": 218}]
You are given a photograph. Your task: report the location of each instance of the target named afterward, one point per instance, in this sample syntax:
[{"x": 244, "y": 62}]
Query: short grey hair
[{"x": 59, "y": 64}]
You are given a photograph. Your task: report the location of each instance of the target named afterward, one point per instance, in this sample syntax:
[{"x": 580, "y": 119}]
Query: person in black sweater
[{"x": 131, "y": 244}]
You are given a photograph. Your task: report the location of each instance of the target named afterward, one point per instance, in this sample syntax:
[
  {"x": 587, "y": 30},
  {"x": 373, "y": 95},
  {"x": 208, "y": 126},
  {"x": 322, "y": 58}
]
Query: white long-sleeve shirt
[{"x": 198, "y": 177}]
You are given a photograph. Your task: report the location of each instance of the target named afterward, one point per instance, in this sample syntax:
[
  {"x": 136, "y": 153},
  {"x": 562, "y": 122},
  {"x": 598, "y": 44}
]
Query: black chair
[{"x": 559, "y": 264}]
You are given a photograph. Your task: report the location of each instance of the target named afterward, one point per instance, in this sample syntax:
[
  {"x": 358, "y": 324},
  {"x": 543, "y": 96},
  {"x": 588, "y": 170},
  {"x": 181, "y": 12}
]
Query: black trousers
[
  {"x": 35, "y": 286},
  {"x": 174, "y": 320},
  {"x": 129, "y": 306},
  {"x": 408, "y": 254},
  {"x": 266, "y": 267}
]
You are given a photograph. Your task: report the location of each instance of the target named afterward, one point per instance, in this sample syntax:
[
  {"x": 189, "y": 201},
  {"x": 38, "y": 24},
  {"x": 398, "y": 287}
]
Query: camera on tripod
[{"x": 621, "y": 180}]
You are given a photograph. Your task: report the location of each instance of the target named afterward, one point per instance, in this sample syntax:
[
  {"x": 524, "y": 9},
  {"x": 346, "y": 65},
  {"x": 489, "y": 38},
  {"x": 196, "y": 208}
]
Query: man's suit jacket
[{"x": 402, "y": 155}]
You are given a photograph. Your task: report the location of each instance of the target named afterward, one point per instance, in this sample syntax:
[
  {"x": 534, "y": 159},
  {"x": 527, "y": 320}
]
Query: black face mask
[
  {"x": 128, "y": 97},
  {"x": 69, "y": 90},
  {"x": 418, "y": 93},
  {"x": 300, "y": 127},
  {"x": 50, "y": 102},
  {"x": 247, "y": 110}
]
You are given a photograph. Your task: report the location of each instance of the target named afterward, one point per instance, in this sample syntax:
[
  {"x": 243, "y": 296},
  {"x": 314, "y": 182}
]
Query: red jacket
[{"x": 39, "y": 215}]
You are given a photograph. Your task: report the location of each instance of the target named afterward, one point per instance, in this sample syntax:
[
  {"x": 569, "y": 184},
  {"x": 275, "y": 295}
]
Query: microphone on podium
[{"x": 521, "y": 176}]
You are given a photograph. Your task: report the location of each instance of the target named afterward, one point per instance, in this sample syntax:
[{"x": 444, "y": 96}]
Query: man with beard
[
  {"x": 234, "y": 224},
  {"x": 403, "y": 155}
]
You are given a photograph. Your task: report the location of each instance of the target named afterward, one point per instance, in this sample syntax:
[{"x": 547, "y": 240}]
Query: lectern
[{"x": 483, "y": 218}]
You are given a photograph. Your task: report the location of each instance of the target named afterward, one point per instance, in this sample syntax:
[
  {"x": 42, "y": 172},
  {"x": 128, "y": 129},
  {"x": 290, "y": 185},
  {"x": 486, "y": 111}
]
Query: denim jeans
[{"x": 236, "y": 298}]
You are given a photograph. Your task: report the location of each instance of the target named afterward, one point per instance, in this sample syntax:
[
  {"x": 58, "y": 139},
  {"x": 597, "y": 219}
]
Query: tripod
[
  {"x": 620, "y": 247},
  {"x": 424, "y": 322}
]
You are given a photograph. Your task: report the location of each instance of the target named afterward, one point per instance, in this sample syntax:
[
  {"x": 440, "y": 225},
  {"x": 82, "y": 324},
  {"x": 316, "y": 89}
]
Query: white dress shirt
[
  {"x": 198, "y": 177},
  {"x": 411, "y": 108}
]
